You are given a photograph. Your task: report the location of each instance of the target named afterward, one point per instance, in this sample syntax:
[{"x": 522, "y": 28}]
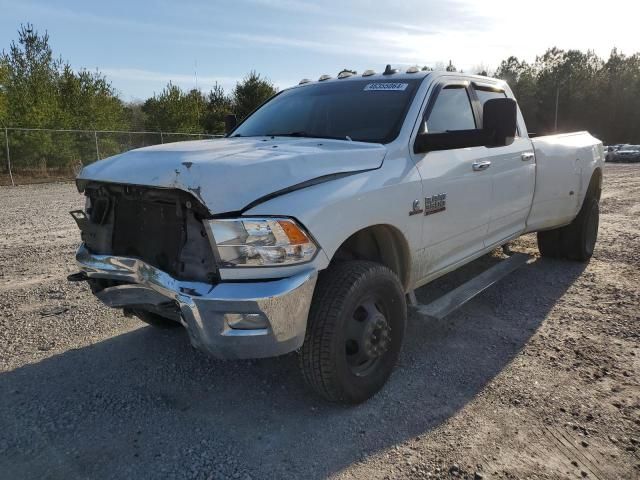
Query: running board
[{"x": 443, "y": 306}]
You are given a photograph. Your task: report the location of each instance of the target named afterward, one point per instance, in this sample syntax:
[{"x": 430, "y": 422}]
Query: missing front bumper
[{"x": 278, "y": 308}]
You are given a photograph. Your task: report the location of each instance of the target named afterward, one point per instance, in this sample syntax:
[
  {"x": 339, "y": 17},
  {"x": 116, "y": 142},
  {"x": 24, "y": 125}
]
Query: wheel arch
[{"x": 381, "y": 243}]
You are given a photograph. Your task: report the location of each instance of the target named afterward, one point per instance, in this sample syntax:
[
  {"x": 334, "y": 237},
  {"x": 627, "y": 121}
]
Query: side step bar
[{"x": 443, "y": 306}]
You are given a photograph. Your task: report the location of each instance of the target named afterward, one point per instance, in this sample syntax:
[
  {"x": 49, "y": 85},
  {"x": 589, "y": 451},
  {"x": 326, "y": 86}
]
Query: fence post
[
  {"x": 6, "y": 139},
  {"x": 161, "y": 137},
  {"x": 95, "y": 135}
]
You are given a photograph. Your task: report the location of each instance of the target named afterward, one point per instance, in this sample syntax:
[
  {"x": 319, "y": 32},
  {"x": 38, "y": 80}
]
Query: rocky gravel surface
[{"x": 538, "y": 377}]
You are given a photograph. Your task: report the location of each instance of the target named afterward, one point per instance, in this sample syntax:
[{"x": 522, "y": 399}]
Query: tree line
[
  {"x": 562, "y": 90},
  {"x": 41, "y": 91},
  {"x": 591, "y": 93}
]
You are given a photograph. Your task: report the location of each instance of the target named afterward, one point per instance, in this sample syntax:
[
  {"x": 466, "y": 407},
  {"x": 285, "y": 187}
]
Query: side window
[
  {"x": 485, "y": 94},
  {"x": 451, "y": 111}
]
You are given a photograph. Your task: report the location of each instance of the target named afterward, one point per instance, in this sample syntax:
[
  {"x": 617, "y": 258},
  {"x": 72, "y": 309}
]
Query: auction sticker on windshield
[{"x": 387, "y": 87}]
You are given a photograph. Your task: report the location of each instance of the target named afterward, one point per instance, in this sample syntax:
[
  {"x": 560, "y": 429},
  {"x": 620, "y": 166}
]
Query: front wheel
[{"x": 354, "y": 332}]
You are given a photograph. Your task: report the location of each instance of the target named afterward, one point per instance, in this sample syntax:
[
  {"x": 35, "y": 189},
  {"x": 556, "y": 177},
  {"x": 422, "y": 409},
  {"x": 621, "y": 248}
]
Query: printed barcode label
[{"x": 386, "y": 87}]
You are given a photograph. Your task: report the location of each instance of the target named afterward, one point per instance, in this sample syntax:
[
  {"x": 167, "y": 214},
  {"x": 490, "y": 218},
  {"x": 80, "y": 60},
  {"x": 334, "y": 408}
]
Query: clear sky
[{"x": 140, "y": 46}]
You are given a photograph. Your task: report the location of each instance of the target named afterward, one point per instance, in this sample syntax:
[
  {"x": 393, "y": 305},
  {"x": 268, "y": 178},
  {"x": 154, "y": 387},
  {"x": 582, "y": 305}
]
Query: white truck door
[
  {"x": 457, "y": 193},
  {"x": 513, "y": 172}
]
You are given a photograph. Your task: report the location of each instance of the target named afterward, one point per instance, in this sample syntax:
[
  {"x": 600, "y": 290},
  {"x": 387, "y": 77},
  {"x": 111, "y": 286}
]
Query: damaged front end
[
  {"x": 150, "y": 251},
  {"x": 161, "y": 227}
]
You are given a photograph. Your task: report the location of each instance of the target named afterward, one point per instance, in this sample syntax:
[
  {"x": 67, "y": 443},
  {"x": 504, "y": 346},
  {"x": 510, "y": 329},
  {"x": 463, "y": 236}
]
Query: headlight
[{"x": 256, "y": 242}]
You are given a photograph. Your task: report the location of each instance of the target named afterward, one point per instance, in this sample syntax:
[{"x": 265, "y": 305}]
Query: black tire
[
  {"x": 549, "y": 243},
  {"x": 354, "y": 332},
  {"x": 577, "y": 240},
  {"x": 155, "y": 320}
]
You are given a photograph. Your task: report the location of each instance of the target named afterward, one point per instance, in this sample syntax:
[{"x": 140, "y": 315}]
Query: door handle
[
  {"x": 481, "y": 165},
  {"x": 527, "y": 156}
]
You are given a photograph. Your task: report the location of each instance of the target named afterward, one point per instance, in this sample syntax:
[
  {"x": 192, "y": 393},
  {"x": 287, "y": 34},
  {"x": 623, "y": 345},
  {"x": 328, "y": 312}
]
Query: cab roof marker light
[
  {"x": 413, "y": 69},
  {"x": 346, "y": 73},
  {"x": 303, "y": 81},
  {"x": 368, "y": 73},
  {"x": 324, "y": 77}
]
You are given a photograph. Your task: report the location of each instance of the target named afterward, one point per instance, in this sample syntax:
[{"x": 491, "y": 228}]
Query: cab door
[
  {"x": 513, "y": 172},
  {"x": 456, "y": 183}
]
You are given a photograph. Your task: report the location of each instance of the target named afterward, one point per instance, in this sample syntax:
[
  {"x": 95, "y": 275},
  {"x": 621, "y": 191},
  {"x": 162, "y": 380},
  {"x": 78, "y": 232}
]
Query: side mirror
[
  {"x": 499, "y": 123},
  {"x": 230, "y": 122},
  {"x": 430, "y": 142},
  {"x": 500, "y": 119}
]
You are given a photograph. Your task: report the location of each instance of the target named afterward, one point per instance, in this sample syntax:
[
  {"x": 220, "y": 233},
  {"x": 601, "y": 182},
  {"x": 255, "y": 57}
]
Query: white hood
[{"x": 229, "y": 174}]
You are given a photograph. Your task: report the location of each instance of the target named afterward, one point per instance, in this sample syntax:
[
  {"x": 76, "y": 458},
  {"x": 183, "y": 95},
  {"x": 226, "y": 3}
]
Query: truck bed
[{"x": 564, "y": 165}]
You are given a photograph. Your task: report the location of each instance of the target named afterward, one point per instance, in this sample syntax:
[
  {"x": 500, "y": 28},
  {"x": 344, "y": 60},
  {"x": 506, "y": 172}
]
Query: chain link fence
[{"x": 34, "y": 155}]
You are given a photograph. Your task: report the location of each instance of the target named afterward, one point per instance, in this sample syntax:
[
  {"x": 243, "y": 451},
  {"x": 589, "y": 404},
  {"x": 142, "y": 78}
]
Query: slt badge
[{"x": 436, "y": 203}]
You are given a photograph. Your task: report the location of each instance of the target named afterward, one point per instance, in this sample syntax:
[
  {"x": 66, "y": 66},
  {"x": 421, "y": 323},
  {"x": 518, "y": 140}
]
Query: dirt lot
[{"x": 536, "y": 378}]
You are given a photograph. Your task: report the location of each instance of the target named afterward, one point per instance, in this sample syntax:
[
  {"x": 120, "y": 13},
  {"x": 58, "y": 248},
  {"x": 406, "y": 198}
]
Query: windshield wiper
[
  {"x": 298, "y": 133},
  {"x": 304, "y": 134}
]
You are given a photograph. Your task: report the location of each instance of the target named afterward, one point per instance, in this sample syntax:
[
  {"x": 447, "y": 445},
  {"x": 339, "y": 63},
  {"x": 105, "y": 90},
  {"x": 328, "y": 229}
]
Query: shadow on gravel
[{"x": 146, "y": 405}]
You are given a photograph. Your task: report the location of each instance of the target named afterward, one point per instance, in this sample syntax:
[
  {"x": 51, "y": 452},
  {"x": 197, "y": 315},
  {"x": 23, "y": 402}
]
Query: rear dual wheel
[
  {"x": 577, "y": 240},
  {"x": 354, "y": 332}
]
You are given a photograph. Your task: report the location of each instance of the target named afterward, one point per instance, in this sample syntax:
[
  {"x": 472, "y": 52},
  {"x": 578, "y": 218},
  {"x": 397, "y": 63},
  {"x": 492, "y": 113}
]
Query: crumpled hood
[{"x": 229, "y": 174}]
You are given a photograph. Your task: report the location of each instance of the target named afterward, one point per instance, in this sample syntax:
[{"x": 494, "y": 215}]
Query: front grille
[
  {"x": 150, "y": 231},
  {"x": 161, "y": 227}
]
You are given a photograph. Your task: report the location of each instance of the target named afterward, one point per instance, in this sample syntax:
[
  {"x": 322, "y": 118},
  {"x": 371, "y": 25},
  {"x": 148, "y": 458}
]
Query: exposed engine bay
[{"x": 162, "y": 227}]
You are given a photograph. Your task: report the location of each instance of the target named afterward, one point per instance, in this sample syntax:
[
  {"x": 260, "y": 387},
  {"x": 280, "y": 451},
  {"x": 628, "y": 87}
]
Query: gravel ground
[{"x": 535, "y": 378}]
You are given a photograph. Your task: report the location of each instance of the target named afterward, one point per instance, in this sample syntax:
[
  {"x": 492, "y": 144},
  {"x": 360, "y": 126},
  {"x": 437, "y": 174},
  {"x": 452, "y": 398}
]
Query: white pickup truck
[{"x": 309, "y": 226}]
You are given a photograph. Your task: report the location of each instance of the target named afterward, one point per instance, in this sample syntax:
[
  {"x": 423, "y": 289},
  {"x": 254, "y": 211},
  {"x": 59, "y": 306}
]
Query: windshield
[{"x": 362, "y": 110}]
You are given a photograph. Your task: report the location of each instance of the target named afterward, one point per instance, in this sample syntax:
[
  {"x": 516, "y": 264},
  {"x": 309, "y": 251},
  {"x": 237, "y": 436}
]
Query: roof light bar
[
  {"x": 368, "y": 73},
  {"x": 413, "y": 69},
  {"x": 303, "y": 81},
  {"x": 324, "y": 77}
]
